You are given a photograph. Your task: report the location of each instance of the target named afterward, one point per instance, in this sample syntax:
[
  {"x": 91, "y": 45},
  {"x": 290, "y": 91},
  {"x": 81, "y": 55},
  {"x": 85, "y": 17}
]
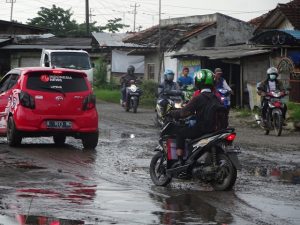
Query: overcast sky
[{"x": 147, "y": 10}]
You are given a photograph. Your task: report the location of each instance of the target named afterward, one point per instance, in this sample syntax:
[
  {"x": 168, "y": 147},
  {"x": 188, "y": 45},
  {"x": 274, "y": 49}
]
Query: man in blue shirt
[{"x": 185, "y": 79}]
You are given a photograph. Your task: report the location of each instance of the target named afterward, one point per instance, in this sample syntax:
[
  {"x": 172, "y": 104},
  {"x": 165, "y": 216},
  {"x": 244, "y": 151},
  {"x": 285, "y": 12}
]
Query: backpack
[{"x": 215, "y": 114}]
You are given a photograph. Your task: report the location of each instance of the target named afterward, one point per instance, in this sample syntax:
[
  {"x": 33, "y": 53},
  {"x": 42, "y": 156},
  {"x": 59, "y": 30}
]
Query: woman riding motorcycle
[{"x": 270, "y": 84}]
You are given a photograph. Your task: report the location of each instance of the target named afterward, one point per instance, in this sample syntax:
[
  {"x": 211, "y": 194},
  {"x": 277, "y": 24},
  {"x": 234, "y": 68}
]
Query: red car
[{"x": 38, "y": 101}]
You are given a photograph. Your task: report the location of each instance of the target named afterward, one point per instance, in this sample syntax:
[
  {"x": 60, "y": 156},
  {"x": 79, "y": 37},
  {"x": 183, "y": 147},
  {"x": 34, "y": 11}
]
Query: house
[
  {"x": 8, "y": 33},
  {"x": 25, "y": 50},
  {"x": 115, "y": 53},
  {"x": 180, "y": 36},
  {"x": 279, "y": 31}
]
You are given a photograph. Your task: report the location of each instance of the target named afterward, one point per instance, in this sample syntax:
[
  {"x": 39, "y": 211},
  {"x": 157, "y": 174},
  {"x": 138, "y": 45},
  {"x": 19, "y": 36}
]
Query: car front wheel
[
  {"x": 14, "y": 137},
  {"x": 90, "y": 141}
]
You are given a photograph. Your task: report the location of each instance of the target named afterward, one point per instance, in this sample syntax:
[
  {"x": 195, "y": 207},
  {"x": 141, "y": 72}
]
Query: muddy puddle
[{"x": 283, "y": 174}]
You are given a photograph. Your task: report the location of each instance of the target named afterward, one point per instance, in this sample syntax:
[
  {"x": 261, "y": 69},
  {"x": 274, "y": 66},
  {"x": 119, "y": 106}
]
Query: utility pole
[
  {"x": 11, "y": 7},
  {"x": 91, "y": 15},
  {"x": 87, "y": 17},
  {"x": 134, "y": 14},
  {"x": 159, "y": 42}
]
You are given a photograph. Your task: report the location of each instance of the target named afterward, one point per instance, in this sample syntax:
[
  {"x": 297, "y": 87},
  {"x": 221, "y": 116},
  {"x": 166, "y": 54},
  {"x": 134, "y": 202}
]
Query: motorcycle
[
  {"x": 133, "y": 94},
  {"x": 225, "y": 97},
  {"x": 166, "y": 102},
  {"x": 212, "y": 159},
  {"x": 274, "y": 115}
]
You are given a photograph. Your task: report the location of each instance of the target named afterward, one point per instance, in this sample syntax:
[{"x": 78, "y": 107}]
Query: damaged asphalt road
[{"x": 112, "y": 185}]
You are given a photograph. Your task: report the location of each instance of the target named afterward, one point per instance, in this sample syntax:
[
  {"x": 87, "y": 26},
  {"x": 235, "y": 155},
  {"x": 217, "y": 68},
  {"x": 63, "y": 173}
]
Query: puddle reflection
[
  {"x": 189, "y": 209},
  {"x": 126, "y": 135},
  {"x": 42, "y": 220},
  {"x": 283, "y": 174}
]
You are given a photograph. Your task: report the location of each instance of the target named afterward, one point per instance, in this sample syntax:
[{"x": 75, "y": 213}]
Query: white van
[{"x": 73, "y": 59}]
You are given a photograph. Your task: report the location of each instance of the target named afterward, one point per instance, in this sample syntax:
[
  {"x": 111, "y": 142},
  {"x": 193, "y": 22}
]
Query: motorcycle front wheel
[
  {"x": 277, "y": 123},
  {"x": 158, "y": 170},
  {"x": 225, "y": 175},
  {"x": 134, "y": 105}
]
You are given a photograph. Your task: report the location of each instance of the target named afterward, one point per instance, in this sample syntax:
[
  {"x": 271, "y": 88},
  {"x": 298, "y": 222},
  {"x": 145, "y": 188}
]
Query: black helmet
[{"x": 130, "y": 69}]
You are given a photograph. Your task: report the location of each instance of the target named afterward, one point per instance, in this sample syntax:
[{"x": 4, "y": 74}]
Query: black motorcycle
[
  {"x": 167, "y": 101},
  {"x": 274, "y": 114},
  {"x": 133, "y": 93},
  {"x": 212, "y": 159}
]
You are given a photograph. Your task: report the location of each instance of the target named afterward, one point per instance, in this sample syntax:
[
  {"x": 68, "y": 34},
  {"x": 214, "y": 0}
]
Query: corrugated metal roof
[
  {"x": 112, "y": 40},
  {"x": 46, "y": 46},
  {"x": 4, "y": 39},
  {"x": 230, "y": 52},
  {"x": 294, "y": 33}
]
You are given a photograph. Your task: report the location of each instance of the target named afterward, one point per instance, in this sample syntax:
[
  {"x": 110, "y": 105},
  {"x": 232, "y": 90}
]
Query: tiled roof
[
  {"x": 289, "y": 11},
  {"x": 170, "y": 34},
  {"x": 292, "y": 11}
]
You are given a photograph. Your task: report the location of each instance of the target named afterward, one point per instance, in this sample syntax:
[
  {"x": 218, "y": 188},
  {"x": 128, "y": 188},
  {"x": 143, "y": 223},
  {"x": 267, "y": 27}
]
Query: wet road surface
[{"x": 111, "y": 185}]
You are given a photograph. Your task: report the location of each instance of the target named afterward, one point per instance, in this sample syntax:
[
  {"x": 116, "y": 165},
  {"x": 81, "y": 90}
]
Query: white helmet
[{"x": 272, "y": 73}]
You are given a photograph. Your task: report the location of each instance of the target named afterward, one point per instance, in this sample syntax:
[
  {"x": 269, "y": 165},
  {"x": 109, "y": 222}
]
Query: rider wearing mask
[
  {"x": 267, "y": 85},
  {"x": 125, "y": 82},
  {"x": 204, "y": 81}
]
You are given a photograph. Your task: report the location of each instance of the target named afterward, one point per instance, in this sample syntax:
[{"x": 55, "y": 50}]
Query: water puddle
[
  {"x": 280, "y": 173},
  {"x": 130, "y": 136},
  {"x": 37, "y": 220}
]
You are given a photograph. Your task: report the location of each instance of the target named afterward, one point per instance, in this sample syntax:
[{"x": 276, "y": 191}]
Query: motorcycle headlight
[
  {"x": 177, "y": 105},
  {"x": 133, "y": 88}
]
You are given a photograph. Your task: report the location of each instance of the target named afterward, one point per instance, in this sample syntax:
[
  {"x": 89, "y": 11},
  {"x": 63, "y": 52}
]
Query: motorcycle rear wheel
[
  {"x": 158, "y": 170},
  {"x": 277, "y": 123},
  {"x": 226, "y": 174}
]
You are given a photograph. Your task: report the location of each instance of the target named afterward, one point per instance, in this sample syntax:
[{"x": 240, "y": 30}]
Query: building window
[{"x": 150, "y": 71}]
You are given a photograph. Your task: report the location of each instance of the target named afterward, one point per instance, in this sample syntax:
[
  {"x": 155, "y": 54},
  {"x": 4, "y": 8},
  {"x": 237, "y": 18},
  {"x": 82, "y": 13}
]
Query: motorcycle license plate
[{"x": 58, "y": 124}]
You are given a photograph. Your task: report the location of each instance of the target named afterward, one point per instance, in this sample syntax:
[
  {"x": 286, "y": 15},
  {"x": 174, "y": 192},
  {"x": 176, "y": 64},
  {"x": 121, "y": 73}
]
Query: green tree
[
  {"x": 114, "y": 25},
  {"x": 61, "y": 24},
  {"x": 56, "y": 19}
]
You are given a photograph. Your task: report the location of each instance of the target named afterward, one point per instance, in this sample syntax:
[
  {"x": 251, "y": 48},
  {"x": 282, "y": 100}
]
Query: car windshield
[
  {"x": 62, "y": 82},
  {"x": 73, "y": 60}
]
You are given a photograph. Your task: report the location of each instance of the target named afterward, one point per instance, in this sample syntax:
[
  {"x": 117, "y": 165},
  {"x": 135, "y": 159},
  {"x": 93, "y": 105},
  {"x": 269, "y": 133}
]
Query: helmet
[
  {"x": 218, "y": 70},
  {"x": 204, "y": 79},
  {"x": 169, "y": 75},
  {"x": 272, "y": 73},
  {"x": 130, "y": 69}
]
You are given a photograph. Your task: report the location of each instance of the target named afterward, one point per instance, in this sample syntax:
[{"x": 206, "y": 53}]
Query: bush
[
  {"x": 149, "y": 89},
  {"x": 294, "y": 111},
  {"x": 100, "y": 72},
  {"x": 111, "y": 93}
]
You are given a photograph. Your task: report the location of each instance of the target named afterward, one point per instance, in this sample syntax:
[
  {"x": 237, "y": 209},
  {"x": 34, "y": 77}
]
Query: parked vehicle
[
  {"x": 37, "y": 101},
  {"x": 274, "y": 114},
  {"x": 211, "y": 159},
  {"x": 73, "y": 59},
  {"x": 133, "y": 94},
  {"x": 225, "y": 97},
  {"x": 166, "y": 102}
]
